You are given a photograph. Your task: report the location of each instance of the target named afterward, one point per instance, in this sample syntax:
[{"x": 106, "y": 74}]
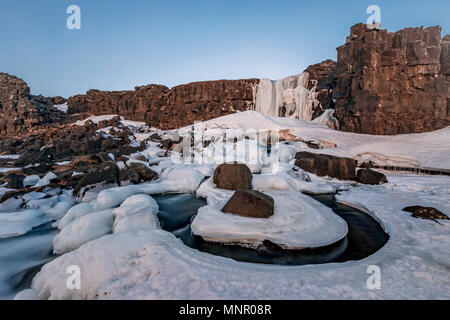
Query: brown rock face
[
  {"x": 22, "y": 111},
  {"x": 326, "y": 165},
  {"x": 322, "y": 77},
  {"x": 393, "y": 83},
  {"x": 167, "y": 108},
  {"x": 250, "y": 203},
  {"x": 233, "y": 177},
  {"x": 368, "y": 176}
]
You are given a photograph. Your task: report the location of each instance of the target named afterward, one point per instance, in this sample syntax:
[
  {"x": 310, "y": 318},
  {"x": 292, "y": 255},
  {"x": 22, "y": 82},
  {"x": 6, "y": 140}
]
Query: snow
[
  {"x": 299, "y": 222},
  {"x": 137, "y": 213},
  {"x": 31, "y": 180},
  {"x": 327, "y": 119},
  {"x": 9, "y": 157},
  {"x": 3, "y": 170},
  {"x": 96, "y": 119},
  {"x": 425, "y": 150},
  {"x": 61, "y": 107},
  {"x": 24, "y": 295},
  {"x": 115, "y": 238},
  {"x": 11, "y": 205},
  {"x": 156, "y": 265},
  {"x": 74, "y": 213},
  {"x": 54, "y": 207},
  {"x": 82, "y": 230},
  {"x": 14, "y": 224},
  {"x": 46, "y": 180}
]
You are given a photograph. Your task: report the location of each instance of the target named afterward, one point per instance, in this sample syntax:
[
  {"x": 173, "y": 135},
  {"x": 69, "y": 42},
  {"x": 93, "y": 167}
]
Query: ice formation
[
  {"x": 288, "y": 97},
  {"x": 299, "y": 222}
]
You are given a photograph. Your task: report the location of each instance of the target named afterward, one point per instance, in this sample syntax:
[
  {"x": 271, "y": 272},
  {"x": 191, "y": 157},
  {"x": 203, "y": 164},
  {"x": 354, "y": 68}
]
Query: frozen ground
[
  {"x": 115, "y": 239},
  {"x": 427, "y": 150},
  {"x": 414, "y": 264}
]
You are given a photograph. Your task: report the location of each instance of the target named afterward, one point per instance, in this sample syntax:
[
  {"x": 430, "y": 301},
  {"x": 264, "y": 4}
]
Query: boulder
[
  {"x": 426, "y": 213},
  {"x": 111, "y": 143},
  {"x": 368, "y": 176},
  {"x": 87, "y": 161},
  {"x": 108, "y": 173},
  {"x": 326, "y": 165},
  {"x": 144, "y": 172},
  {"x": 233, "y": 177},
  {"x": 130, "y": 175},
  {"x": 250, "y": 203},
  {"x": 14, "y": 180}
]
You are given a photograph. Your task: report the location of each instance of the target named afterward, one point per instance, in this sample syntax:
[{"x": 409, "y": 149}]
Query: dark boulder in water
[{"x": 250, "y": 203}]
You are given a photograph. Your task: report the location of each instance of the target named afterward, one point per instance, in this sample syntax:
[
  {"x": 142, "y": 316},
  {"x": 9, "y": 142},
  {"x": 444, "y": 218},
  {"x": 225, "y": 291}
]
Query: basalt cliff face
[
  {"x": 393, "y": 83},
  {"x": 20, "y": 111},
  {"x": 167, "y": 108}
]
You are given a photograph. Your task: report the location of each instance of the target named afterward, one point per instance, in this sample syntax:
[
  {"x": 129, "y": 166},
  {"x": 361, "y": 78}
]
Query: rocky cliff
[
  {"x": 382, "y": 83},
  {"x": 21, "y": 111},
  {"x": 167, "y": 108},
  {"x": 393, "y": 83}
]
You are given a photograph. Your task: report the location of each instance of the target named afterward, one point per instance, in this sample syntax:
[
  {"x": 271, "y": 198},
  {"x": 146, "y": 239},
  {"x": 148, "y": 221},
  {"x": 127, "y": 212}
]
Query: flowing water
[{"x": 22, "y": 257}]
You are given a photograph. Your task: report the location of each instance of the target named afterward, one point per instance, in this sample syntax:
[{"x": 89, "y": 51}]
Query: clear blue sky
[{"x": 123, "y": 44}]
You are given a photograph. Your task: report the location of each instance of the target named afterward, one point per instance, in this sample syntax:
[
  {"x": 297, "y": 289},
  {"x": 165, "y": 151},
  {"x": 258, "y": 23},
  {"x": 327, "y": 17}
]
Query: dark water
[
  {"x": 365, "y": 235},
  {"x": 22, "y": 257}
]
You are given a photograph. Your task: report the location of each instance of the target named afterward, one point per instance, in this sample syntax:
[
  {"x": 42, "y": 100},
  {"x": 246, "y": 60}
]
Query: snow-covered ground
[
  {"x": 113, "y": 235},
  {"x": 426, "y": 150}
]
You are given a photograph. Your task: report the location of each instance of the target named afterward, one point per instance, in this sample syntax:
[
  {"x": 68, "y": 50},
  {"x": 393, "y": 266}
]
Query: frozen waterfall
[{"x": 288, "y": 97}]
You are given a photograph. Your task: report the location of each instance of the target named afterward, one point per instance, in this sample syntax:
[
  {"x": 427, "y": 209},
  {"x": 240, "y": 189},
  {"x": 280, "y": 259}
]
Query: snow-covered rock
[
  {"x": 14, "y": 224},
  {"x": 83, "y": 230},
  {"x": 137, "y": 213},
  {"x": 299, "y": 222}
]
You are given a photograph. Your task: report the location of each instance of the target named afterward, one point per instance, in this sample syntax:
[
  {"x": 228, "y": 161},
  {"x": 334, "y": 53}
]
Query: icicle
[{"x": 290, "y": 94}]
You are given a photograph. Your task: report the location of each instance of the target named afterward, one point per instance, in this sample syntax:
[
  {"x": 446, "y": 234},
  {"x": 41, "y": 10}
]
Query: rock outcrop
[
  {"x": 22, "y": 111},
  {"x": 322, "y": 78},
  {"x": 231, "y": 176},
  {"x": 326, "y": 165},
  {"x": 426, "y": 213},
  {"x": 393, "y": 83},
  {"x": 369, "y": 176},
  {"x": 167, "y": 108}
]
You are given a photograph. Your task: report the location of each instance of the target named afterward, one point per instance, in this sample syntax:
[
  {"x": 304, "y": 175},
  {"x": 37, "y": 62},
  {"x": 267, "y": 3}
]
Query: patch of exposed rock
[
  {"x": 233, "y": 176},
  {"x": 426, "y": 213},
  {"x": 368, "y": 176},
  {"x": 250, "y": 203},
  {"x": 326, "y": 165}
]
